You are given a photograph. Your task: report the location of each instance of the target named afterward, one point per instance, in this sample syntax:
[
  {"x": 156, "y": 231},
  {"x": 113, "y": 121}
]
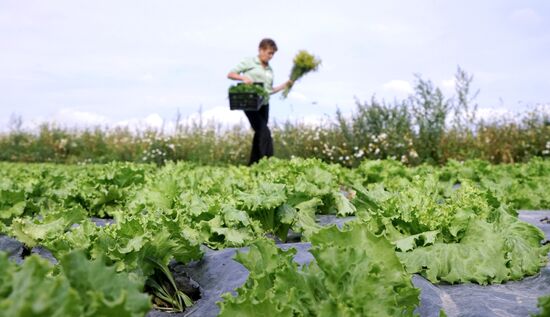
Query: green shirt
[{"x": 252, "y": 68}]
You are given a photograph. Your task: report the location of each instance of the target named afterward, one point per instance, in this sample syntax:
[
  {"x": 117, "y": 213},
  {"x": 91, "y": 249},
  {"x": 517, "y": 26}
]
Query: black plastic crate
[{"x": 246, "y": 100}]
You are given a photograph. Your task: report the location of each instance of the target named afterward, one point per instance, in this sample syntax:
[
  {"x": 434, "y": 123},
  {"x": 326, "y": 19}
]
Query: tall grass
[{"x": 427, "y": 127}]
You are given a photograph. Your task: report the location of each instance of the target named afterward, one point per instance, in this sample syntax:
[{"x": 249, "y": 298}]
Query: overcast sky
[{"x": 114, "y": 62}]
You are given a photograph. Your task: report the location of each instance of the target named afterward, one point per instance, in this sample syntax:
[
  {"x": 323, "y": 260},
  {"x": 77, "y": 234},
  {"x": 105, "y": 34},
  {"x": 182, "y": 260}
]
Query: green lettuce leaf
[
  {"x": 488, "y": 253},
  {"x": 544, "y": 306},
  {"x": 34, "y": 291},
  {"x": 103, "y": 291},
  {"x": 355, "y": 273},
  {"x": 33, "y": 232}
]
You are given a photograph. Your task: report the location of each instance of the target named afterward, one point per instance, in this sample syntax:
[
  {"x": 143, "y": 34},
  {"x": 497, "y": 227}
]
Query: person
[{"x": 257, "y": 69}]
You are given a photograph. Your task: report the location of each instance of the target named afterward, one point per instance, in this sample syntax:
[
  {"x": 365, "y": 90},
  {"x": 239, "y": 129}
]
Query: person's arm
[
  {"x": 242, "y": 67},
  {"x": 281, "y": 86},
  {"x": 242, "y": 78}
]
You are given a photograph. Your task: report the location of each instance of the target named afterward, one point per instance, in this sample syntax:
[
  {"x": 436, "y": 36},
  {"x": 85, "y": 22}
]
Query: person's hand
[
  {"x": 246, "y": 80},
  {"x": 289, "y": 83}
]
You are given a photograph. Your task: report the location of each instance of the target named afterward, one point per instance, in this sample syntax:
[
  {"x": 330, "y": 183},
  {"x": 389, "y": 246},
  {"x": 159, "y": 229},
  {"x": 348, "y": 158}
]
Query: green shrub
[{"x": 425, "y": 128}]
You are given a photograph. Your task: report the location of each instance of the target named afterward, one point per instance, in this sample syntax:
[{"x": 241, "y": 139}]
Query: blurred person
[{"x": 257, "y": 70}]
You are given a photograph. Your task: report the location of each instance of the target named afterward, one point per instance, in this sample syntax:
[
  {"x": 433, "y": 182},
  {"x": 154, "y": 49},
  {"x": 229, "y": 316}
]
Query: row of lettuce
[{"x": 457, "y": 223}]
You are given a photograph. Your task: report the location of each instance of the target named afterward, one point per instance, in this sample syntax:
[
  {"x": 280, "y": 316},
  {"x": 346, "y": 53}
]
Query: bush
[{"x": 425, "y": 128}]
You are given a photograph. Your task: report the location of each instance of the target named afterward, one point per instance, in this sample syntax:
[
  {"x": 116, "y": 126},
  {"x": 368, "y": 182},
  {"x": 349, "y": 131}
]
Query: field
[
  {"x": 414, "y": 207},
  {"x": 114, "y": 239}
]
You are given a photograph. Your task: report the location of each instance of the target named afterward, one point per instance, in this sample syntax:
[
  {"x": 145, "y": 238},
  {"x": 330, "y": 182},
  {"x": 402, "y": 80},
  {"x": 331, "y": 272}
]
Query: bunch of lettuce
[
  {"x": 249, "y": 88},
  {"x": 233, "y": 206},
  {"x": 304, "y": 63},
  {"x": 78, "y": 287},
  {"x": 354, "y": 274},
  {"x": 139, "y": 246},
  {"x": 37, "y": 189},
  {"x": 465, "y": 235}
]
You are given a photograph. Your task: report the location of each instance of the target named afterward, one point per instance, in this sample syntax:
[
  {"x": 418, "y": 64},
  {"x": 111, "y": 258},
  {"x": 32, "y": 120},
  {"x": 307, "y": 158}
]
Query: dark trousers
[{"x": 262, "y": 144}]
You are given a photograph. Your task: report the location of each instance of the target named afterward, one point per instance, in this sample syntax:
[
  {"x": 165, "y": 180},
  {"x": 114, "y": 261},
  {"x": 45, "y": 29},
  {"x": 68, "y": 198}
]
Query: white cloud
[
  {"x": 400, "y": 87},
  {"x": 505, "y": 113},
  {"x": 75, "y": 119},
  {"x": 308, "y": 120},
  {"x": 154, "y": 120},
  {"x": 71, "y": 118},
  {"x": 68, "y": 117},
  {"x": 64, "y": 118},
  {"x": 314, "y": 120},
  {"x": 492, "y": 113},
  {"x": 448, "y": 85},
  {"x": 220, "y": 115}
]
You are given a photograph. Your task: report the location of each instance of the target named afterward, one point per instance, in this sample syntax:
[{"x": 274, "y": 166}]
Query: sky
[{"x": 84, "y": 63}]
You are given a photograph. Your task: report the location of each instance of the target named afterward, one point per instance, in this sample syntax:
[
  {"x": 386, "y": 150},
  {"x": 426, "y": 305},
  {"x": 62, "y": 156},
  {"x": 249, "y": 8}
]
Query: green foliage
[
  {"x": 81, "y": 288},
  {"x": 104, "y": 292},
  {"x": 304, "y": 63},
  {"x": 427, "y": 127},
  {"x": 131, "y": 244},
  {"x": 165, "y": 289},
  {"x": 99, "y": 189},
  {"x": 430, "y": 110},
  {"x": 457, "y": 223},
  {"x": 32, "y": 291},
  {"x": 249, "y": 89},
  {"x": 34, "y": 231},
  {"x": 544, "y": 306},
  {"x": 378, "y": 130},
  {"x": 355, "y": 274},
  {"x": 456, "y": 236}
]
